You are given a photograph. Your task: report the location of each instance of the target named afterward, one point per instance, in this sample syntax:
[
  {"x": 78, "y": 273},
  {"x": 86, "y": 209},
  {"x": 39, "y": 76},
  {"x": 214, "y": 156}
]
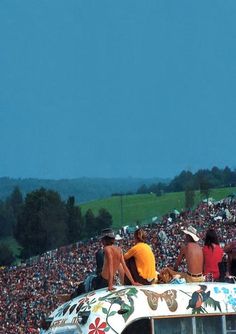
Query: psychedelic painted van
[{"x": 206, "y": 308}]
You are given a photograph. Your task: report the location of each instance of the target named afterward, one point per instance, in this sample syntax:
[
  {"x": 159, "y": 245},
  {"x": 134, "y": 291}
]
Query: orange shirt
[{"x": 144, "y": 260}]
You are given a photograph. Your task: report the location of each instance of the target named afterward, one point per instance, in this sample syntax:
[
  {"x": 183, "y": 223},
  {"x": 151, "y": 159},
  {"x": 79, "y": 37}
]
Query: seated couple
[
  {"x": 111, "y": 260},
  {"x": 136, "y": 267}
]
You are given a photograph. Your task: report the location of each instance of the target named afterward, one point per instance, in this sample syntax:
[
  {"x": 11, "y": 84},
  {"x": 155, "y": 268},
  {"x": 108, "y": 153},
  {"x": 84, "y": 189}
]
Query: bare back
[
  {"x": 112, "y": 260},
  {"x": 194, "y": 257}
]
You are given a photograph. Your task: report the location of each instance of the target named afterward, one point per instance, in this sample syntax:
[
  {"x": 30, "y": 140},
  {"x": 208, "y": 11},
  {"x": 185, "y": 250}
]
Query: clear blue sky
[{"x": 116, "y": 88}]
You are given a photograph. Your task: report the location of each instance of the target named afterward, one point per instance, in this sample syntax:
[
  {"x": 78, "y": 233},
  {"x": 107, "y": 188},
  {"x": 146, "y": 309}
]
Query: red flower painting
[{"x": 96, "y": 328}]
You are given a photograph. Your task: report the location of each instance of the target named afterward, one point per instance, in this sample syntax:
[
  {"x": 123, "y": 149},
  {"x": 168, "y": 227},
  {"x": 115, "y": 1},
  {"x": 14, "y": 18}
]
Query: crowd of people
[{"x": 29, "y": 292}]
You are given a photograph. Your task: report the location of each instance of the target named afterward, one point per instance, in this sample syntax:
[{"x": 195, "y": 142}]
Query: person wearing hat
[
  {"x": 193, "y": 254},
  {"x": 113, "y": 262},
  {"x": 109, "y": 262},
  {"x": 99, "y": 255}
]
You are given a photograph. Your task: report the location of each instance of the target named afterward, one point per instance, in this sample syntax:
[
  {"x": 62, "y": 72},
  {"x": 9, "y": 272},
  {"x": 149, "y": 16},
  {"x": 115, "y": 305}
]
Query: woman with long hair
[
  {"x": 212, "y": 253},
  {"x": 141, "y": 260}
]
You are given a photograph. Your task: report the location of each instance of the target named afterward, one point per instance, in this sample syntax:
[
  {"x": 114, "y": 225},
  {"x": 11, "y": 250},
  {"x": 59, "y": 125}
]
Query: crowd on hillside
[{"x": 29, "y": 292}]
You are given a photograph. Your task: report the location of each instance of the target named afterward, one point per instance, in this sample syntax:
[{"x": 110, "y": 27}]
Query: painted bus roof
[{"x": 112, "y": 311}]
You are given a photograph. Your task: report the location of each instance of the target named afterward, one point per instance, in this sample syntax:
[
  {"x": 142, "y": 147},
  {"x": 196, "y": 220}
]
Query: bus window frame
[
  {"x": 229, "y": 331},
  {"x": 194, "y": 325}
]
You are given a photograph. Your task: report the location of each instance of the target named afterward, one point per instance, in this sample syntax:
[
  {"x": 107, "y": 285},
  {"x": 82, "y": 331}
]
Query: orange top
[{"x": 144, "y": 260}]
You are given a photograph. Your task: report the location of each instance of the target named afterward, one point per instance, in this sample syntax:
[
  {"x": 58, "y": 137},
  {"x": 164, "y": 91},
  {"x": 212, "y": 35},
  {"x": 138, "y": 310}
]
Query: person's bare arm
[
  {"x": 109, "y": 260},
  {"x": 179, "y": 258}
]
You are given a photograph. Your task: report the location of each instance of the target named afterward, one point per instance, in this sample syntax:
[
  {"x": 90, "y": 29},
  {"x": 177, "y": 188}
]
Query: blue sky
[{"x": 116, "y": 88}]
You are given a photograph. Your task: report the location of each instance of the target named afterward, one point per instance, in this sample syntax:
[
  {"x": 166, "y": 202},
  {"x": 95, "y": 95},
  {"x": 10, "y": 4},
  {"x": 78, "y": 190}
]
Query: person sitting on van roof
[
  {"x": 193, "y": 254},
  {"x": 212, "y": 253},
  {"x": 113, "y": 261},
  {"x": 141, "y": 260}
]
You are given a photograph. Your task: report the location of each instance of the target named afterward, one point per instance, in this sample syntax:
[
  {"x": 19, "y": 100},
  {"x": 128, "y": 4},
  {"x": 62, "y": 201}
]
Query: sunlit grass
[{"x": 128, "y": 209}]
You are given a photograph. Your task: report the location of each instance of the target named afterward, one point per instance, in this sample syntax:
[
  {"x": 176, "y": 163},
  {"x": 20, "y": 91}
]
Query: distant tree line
[
  {"x": 43, "y": 221},
  {"x": 203, "y": 179},
  {"x": 84, "y": 189}
]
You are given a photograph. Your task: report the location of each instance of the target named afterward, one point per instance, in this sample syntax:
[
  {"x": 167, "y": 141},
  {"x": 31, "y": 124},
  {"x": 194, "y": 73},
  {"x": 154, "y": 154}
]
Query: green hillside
[{"x": 127, "y": 210}]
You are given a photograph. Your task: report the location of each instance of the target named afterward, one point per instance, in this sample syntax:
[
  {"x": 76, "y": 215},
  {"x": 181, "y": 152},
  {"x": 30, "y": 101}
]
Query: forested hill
[{"x": 83, "y": 189}]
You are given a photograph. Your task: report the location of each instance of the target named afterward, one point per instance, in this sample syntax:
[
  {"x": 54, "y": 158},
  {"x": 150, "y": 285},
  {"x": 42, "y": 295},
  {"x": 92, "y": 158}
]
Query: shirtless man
[
  {"x": 193, "y": 254},
  {"x": 113, "y": 262}
]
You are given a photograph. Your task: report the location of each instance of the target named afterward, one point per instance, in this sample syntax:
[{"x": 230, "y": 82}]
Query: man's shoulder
[
  {"x": 193, "y": 245},
  {"x": 113, "y": 248}
]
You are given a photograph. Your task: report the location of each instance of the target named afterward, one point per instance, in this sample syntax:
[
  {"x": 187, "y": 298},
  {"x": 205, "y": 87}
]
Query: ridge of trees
[
  {"x": 84, "y": 189},
  {"x": 186, "y": 180},
  {"x": 43, "y": 221}
]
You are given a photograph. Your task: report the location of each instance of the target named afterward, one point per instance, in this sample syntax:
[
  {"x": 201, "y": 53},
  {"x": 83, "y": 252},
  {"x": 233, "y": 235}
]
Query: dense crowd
[{"x": 29, "y": 292}]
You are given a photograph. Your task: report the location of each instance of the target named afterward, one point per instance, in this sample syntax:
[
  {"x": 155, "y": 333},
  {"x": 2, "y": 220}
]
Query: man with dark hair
[{"x": 113, "y": 262}]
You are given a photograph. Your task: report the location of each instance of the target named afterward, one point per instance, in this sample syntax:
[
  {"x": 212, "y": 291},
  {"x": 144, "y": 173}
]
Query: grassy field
[{"x": 127, "y": 210}]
